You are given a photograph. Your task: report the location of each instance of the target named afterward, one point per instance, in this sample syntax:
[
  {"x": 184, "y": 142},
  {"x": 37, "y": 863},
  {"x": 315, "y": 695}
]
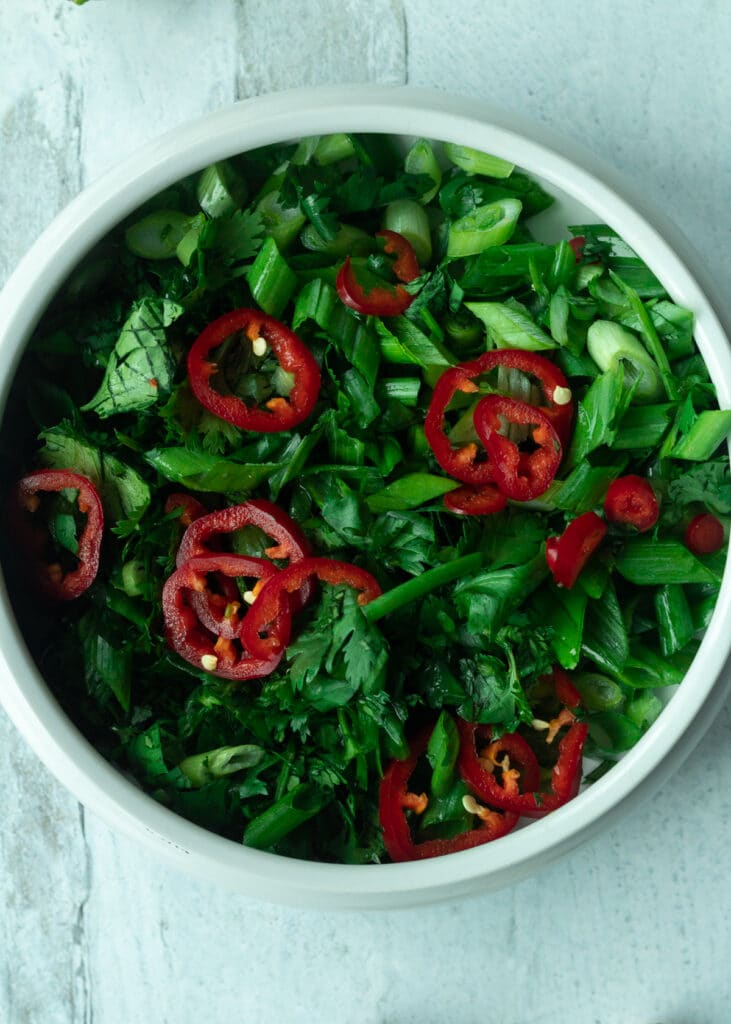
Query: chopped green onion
[
  {"x": 348, "y": 241},
  {"x": 463, "y": 328},
  {"x": 650, "y": 335},
  {"x": 598, "y": 692},
  {"x": 409, "y": 219},
  {"x": 643, "y": 709},
  {"x": 157, "y": 236},
  {"x": 642, "y": 426},
  {"x": 282, "y": 223},
  {"x": 216, "y": 764},
  {"x": 403, "y": 389},
  {"x": 422, "y": 585},
  {"x": 420, "y": 159},
  {"x": 475, "y": 162},
  {"x": 271, "y": 281},
  {"x": 134, "y": 575},
  {"x": 296, "y": 807},
  {"x": 220, "y": 190},
  {"x": 509, "y": 325},
  {"x": 674, "y": 619},
  {"x": 708, "y": 431},
  {"x": 649, "y": 562},
  {"x": 609, "y": 344},
  {"x": 332, "y": 148},
  {"x": 405, "y": 344},
  {"x": 585, "y": 487},
  {"x": 612, "y": 731},
  {"x": 409, "y": 492},
  {"x": 486, "y": 226}
]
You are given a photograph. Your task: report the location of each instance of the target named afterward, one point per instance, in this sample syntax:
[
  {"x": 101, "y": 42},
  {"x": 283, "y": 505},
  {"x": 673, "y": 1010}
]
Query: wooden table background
[{"x": 632, "y": 928}]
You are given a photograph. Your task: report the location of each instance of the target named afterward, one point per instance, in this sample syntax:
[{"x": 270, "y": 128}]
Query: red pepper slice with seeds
[
  {"x": 190, "y": 507},
  {"x": 517, "y": 790},
  {"x": 223, "y": 656},
  {"x": 568, "y": 554},
  {"x": 382, "y": 299},
  {"x": 395, "y": 800},
  {"x": 34, "y": 537},
  {"x": 464, "y": 462},
  {"x": 202, "y": 538},
  {"x": 520, "y": 475},
  {"x": 631, "y": 501},
  {"x": 265, "y": 616},
  {"x": 278, "y": 413}
]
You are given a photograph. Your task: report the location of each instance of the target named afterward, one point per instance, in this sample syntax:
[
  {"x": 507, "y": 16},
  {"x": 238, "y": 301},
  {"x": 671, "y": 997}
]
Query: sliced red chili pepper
[
  {"x": 577, "y": 244},
  {"x": 35, "y": 538},
  {"x": 517, "y": 790},
  {"x": 568, "y": 554},
  {"x": 631, "y": 501},
  {"x": 190, "y": 507},
  {"x": 704, "y": 535},
  {"x": 278, "y": 413},
  {"x": 201, "y": 537},
  {"x": 265, "y": 613},
  {"x": 382, "y": 299},
  {"x": 395, "y": 800},
  {"x": 475, "y": 501},
  {"x": 463, "y": 463},
  {"x": 520, "y": 476},
  {"x": 406, "y": 265},
  {"x": 220, "y": 655}
]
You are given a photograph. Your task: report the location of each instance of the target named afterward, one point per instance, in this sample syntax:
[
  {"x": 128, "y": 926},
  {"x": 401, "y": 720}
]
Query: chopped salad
[{"x": 350, "y": 520}]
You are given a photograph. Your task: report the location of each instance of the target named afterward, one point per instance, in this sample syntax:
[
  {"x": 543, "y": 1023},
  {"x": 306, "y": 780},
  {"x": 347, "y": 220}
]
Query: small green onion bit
[
  {"x": 609, "y": 344},
  {"x": 158, "y": 235},
  {"x": 475, "y": 162},
  {"x": 220, "y": 190},
  {"x": 492, "y": 224},
  {"x": 296, "y": 807},
  {"x": 133, "y": 577},
  {"x": 409, "y": 219},
  {"x": 420, "y": 159},
  {"x": 216, "y": 764}
]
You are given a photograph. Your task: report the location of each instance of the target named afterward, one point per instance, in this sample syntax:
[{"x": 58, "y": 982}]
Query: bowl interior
[{"x": 580, "y": 198}]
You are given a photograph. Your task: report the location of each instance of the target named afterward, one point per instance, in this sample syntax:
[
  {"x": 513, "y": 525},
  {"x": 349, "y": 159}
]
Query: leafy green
[{"x": 141, "y": 367}]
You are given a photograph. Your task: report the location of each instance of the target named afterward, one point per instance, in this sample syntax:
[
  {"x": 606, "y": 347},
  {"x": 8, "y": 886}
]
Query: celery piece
[
  {"x": 409, "y": 492},
  {"x": 486, "y": 226},
  {"x": 271, "y": 281},
  {"x": 420, "y": 159},
  {"x": 157, "y": 236},
  {"x": 475, "y": 162},
  {"x": 409, "y": 219},
  {"x": 707, "y": 432},
  {"x": 509, "y": 325}
]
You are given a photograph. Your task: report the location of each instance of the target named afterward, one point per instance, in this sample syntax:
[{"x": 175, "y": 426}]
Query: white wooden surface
[{"x": 631, "y": 929}]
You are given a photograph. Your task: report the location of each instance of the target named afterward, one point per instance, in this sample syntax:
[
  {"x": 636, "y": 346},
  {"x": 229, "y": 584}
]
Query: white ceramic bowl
[{"x": 584, "y": 193}]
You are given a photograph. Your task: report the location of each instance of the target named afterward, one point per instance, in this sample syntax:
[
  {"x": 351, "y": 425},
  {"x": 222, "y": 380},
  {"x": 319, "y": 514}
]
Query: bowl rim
[{"x": 246, "y": 125}]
